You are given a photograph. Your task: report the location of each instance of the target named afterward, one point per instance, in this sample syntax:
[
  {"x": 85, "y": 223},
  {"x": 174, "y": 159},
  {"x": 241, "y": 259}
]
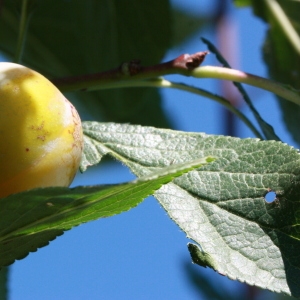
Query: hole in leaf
[{"x": 270, "y": 197}]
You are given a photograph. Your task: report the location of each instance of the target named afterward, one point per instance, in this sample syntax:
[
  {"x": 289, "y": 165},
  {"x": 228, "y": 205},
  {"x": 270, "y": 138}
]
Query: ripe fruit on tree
[{"x": 40, "y": 132}]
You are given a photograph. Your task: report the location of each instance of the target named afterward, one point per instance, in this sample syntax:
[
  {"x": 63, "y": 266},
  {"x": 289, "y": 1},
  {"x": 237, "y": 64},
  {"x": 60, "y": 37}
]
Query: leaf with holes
[{"x": 221, "y": 206}]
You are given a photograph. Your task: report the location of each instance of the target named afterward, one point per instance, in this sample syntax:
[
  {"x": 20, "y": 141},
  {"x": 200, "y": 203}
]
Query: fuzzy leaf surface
[{"x": 221, "y": 206}]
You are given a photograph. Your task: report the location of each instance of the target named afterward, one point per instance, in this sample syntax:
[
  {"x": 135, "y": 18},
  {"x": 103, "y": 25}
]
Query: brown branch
[{"x": 183, "y": 64}]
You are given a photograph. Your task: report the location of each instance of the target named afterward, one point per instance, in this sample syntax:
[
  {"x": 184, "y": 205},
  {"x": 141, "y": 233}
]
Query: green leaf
[
  {"x": 242, "y": 3},
  {"x": 282, "y": 59},
  {"x": 186, "y": 24},
  {"x": 4, "y": 283},
  {"x": 82, "y": 37},
  {"x": 221, "y": 206},
  {"x": 32, "y": 219}
]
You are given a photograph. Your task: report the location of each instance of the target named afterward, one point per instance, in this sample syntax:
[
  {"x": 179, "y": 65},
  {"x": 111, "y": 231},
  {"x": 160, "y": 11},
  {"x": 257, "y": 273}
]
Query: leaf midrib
[{"x": 21, "y": 230}]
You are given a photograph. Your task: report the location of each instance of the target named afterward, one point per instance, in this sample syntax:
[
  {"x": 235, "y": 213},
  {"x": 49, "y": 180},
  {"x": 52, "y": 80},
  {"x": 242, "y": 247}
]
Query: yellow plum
[{"x": 40, "y": 132}]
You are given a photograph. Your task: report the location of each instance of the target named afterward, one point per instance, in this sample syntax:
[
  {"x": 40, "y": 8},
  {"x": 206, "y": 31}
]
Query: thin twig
[
  {"x": 132, "y": 70},
  {"x": 239, "y": 76},
  {"x": 185, "y": 64},
  {"x": 284, "y": 23}
]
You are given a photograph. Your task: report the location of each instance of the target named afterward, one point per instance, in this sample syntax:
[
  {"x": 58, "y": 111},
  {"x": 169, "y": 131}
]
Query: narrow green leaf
[
  {"x": 284, "y": 65},
  {"x": 281, "y": 57},
  {"x": 32, "y": 219},
  {"x": 266, "y": 128},
  {"x": 222, "y": 206}
]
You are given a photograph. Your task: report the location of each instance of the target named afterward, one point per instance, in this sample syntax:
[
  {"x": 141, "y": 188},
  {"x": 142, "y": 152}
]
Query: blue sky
[{"x": 141, "y": 254}]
